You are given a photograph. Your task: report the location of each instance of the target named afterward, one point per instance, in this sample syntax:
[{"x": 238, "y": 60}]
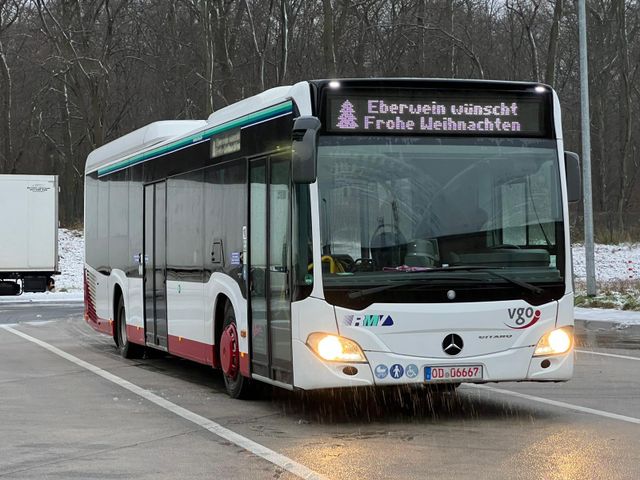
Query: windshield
[{"x": 391, "y": 207}]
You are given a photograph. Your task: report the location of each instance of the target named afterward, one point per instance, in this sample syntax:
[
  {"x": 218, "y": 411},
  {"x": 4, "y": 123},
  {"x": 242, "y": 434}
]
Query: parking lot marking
[
  {"x": 257, "y": 449},
  {"x": 614, "y": 355},
  {"x": 556, "y": 403}
]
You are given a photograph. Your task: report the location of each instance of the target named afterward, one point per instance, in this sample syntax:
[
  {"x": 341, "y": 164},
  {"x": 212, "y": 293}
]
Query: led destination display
[{"x": 424, "y": 112}]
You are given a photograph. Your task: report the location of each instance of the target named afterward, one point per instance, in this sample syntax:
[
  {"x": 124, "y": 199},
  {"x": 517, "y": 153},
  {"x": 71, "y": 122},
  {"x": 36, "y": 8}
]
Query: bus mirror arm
[
  {"x": 304, "y": 146},
  {"x": 574, "y": 183}
]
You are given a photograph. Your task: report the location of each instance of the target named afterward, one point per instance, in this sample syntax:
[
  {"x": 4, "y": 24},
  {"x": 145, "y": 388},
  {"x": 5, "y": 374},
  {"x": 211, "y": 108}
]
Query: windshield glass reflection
[{"x": 391, "y": 205}]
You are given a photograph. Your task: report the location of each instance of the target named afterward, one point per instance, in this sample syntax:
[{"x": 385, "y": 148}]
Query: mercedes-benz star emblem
[{"x": 452, "y": 344}]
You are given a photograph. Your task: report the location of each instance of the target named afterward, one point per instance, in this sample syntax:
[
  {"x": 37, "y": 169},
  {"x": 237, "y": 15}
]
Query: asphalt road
[{"x": 166, "y": 418}]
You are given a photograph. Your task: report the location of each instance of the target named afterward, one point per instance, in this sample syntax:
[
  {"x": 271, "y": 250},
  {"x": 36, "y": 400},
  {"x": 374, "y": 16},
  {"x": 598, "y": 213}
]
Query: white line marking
[
  {"x": 625, "y": 357},
  {"x": 556, "y": 403},
  {"x": 259, "y": 450}
]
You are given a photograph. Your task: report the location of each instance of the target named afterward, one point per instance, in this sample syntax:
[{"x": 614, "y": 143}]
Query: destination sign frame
[{"x": 432, "y": 112}]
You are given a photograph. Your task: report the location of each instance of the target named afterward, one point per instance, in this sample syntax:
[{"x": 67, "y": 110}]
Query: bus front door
[
  {"x": 269, "y": 267},
  {"x": 155, "y": 271}
]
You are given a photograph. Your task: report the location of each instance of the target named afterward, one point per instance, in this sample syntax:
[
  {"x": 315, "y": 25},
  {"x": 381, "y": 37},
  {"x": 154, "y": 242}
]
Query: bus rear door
[{"x": 155, "y": 261}]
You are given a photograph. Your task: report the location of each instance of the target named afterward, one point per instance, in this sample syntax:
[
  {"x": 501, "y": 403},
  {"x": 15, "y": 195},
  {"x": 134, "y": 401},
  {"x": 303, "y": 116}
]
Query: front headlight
[
  {"x": 555, "y": 342},
  {"x": 334, "y": 348}
]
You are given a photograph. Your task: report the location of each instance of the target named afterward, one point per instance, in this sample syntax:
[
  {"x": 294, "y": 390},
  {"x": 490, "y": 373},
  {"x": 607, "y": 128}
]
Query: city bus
[{"x": 342, "y": 233}]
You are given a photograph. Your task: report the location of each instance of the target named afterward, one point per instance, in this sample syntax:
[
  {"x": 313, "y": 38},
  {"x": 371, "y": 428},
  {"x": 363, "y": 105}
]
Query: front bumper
[{"x": 518, "y": 364}]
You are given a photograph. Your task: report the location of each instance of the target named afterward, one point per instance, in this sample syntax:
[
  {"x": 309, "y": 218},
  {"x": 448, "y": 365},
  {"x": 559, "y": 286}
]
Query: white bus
[{"x": 342, "y": 233}]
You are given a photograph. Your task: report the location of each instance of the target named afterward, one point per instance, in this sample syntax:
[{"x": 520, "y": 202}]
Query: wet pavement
[
  {"x": 60, "y": 420},
  {"x": 13, "y": 313},
  {"x": 595, "y": 334}
]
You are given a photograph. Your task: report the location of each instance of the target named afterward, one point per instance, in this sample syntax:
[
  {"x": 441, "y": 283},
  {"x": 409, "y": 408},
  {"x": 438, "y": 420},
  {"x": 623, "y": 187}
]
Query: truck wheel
[
  {"x": 51, "y": 284},
  {"x": 237, "y": 385},
  {"x": 125, "y": 347}
]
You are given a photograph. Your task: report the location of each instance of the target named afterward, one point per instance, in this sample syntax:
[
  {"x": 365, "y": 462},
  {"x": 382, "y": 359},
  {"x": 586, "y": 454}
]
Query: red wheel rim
[{"x": 229, "y": 351}]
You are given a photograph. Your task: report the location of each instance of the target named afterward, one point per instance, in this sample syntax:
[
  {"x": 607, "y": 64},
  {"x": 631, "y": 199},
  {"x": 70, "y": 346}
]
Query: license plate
[{"x": 460, "y": 373}]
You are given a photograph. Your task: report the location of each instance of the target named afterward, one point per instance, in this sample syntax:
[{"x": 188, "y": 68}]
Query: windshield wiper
[
  {"x": 471, "y": 268},
  {"x": 413, "y": 283}
]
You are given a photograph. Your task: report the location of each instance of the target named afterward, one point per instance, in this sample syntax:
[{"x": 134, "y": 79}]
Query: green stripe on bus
[{"x": 240, "y": 122}]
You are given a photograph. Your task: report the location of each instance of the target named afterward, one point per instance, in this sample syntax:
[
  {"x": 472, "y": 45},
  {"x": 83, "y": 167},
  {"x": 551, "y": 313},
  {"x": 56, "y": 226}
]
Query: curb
[{"x": 599, "y": 325}]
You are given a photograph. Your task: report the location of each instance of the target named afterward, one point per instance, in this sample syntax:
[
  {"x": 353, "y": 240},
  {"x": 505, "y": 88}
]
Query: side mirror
[
  {"x": 574, "y": 181},
  {"x": 305, "y": 131}
]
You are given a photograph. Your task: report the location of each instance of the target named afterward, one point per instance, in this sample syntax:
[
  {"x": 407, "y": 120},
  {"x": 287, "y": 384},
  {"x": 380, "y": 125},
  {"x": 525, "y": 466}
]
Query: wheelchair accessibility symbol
[{"x": 411, "y": 371}]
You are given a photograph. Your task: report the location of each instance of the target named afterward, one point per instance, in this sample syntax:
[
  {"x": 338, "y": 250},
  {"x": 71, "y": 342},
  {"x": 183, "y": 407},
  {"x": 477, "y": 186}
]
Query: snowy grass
[
  {"x": 614, "y": 263},
  {"x": 618, "y": 294},
  {"x": 71, "y": 254},
  {"x": 617, "y": 276}
]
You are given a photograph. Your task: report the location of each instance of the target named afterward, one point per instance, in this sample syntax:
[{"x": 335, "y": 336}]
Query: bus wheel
[
  {"x": 126, "y": 348},
  {"x": 237, "y": 385}
]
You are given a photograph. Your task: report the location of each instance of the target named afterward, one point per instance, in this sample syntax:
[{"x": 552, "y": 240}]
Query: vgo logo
[{"x": 521, "y": 318}]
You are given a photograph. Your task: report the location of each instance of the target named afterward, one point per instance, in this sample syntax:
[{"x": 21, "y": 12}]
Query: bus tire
[
  {"x": 237, "y": 385},
  {"x": 125, "y": 347}
]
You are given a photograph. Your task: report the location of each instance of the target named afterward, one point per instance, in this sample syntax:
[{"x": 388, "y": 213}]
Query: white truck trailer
[{"x": 28, "y": 233}]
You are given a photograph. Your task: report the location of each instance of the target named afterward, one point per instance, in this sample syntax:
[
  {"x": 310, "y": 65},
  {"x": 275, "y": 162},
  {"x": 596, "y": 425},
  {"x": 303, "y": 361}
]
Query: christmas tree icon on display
[{"x": 347, "y": 118}]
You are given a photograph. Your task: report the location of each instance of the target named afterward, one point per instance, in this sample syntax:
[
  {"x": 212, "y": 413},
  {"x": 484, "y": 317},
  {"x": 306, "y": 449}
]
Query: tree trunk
[
  {"x": 284, "y": 41},
  {"x": 5, "y": 82},
  {"x": 207, "y": 24},
  {"x": 328, "y": 40},
  {"x": 625, "y": 112},
  {"x": 552, "y": 56}
]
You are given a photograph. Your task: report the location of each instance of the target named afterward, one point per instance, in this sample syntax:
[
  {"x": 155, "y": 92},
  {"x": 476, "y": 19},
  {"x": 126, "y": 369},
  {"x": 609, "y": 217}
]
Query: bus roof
[
  {"x": 138, "y": 140},
  {"x": 162, "y": 133},
  {"x": 146, "y": 140}
]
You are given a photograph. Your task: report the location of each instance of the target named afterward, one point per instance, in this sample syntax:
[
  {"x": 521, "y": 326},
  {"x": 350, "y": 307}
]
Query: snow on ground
[
  {"x": 71, "y": 255},
  {"x": 613, "y": 262},
  {"x": 46, "y": 297}
]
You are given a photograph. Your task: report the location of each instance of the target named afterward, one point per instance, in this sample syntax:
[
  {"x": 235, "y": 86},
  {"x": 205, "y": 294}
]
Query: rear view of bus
[{"x": 440, "y": 219}]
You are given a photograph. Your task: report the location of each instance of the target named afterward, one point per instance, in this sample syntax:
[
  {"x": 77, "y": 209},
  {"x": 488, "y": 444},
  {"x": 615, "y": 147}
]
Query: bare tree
[
  {"x": 328, "y": 46},
  {"x": 527, "y": 11},
  {"x": 554, "y": 35},
  {"x": 9, "y": 12}
]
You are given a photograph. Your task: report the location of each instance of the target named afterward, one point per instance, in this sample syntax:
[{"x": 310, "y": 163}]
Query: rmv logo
[
  {"x": 522, "y": 317},
  {"x": 368, "y": 320}
]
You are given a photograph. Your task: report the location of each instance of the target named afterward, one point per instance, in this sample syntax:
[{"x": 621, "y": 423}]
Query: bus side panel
[
  {"x": 565, "y": 311},
  {"x": 96, "y": 253},
  {"x": 185, "y": 264},
  {"x": 135, "y": 327},
  {"x": 135, "y": 306},
  {"x": 185, "y": 312},
  {"x": 97, "y": 312},
  {"x": 135, "y": 310}
]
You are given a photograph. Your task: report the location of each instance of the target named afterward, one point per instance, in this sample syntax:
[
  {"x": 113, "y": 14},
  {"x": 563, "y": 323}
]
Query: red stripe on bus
[
  {"x": 100, "y": 325},
  {"x": 244, "y": 364},
  {"x": 192, "y": 350},
  {"x": 135, "y": 334}
]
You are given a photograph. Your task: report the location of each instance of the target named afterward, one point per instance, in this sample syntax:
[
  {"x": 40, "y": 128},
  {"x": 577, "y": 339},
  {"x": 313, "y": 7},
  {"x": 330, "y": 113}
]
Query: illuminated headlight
[
  {"x": 334, "y": 348},
  {"x": 555, "y": 342}
]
